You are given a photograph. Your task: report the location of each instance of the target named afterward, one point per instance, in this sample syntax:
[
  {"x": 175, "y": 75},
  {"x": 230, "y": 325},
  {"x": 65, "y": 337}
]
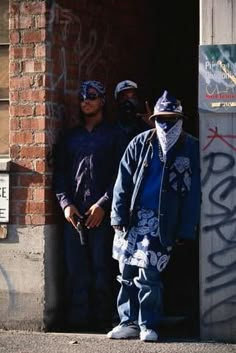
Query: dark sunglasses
[{"x": 89, "y": 96}]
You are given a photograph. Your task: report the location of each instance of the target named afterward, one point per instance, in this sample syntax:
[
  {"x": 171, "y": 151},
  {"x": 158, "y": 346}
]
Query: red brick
[
  {"x": 31, "y": 179},
  {"x": 21, "y": 138},
  {"x": 14, "y": 37},
  {"x": 41, "y": 166},
  {"x": 39, "y": 81},
  {"x": 21, "y": 52},
  {"x": 42, "y": 194},
  {"x": 20, "y": 82},
  {"x": 21, "y": 193},
  {"x": 15, "y": 124},
  {"x": 40, "y": 21},
  {"x": 21, "y": 110},
  {"x": 32, "y": 152},
  {"x": 33, "y": 124},
  {"x": 14, "y": 151},
  {"x": 33, "y": 66},
  {"x": 40, "y": 137},
  {"x": 21, "y": 22},
  {"x": 40, "y": 51},
  {"x": 35, "y": 207},
  {"x": 14, "y": 96},
  {"x": 35, "y": 36},
  {"x": 14, "y": 8},
  {"x": 34, "y": 7},
  {"x": 40, "y": 109},
  {"x": 37, "y": 219},
  {"x": 33, "y": 95}
]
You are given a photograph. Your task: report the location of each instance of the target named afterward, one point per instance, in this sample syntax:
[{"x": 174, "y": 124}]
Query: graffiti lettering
[{"x": 220, "y": 223}]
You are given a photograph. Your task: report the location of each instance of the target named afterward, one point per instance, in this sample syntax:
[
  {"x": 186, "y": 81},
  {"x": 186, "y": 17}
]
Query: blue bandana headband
[{"x": 98, "y": 86}]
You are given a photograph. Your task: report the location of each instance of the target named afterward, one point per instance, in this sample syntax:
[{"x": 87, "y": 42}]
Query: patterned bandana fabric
[
  {"x": 97, "y": 85},
  {"x": 140, "y": 245},
  {"x": 168, "y": 138}
]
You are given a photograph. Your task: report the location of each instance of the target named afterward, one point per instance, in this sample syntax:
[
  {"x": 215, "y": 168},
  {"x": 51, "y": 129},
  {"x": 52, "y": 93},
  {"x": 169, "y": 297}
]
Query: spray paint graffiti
[
  {"x": 219, "y": 188},
  {"x": 216, "y": 136},
  {"x": 76, "y": 50}
]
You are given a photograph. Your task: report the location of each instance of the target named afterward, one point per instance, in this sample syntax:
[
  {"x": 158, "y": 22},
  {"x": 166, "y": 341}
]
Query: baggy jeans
[{"x": 140, "y": 296}]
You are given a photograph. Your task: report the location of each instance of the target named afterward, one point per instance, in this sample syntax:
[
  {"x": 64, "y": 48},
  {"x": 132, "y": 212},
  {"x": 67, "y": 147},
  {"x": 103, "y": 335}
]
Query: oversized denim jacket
[{"x": 179, "y": 201}]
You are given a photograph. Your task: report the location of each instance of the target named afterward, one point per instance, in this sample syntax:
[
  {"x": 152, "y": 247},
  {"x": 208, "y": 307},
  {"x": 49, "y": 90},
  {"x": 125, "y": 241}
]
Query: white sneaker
[
  {"x": 148, "y": 335},
  {"x": 124, "y": 331}
]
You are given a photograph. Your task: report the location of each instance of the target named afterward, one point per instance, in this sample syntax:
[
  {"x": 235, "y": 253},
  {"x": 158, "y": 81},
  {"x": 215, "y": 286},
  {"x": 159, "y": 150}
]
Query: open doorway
[{"x": 157, "y": 47}]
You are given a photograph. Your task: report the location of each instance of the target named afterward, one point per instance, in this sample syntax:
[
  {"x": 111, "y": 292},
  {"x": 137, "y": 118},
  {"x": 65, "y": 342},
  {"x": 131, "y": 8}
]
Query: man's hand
[
  {"x": 145, "y": 116},
  {"x": 95, "y": 216},
  {"x": 69, "y": 212}
]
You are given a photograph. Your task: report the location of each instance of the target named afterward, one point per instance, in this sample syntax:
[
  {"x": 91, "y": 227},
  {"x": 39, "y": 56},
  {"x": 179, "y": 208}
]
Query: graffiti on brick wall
[
  {"x": 219, "y": 223},
  {"x": 76, "y": 50},
  {"x": 85, "y": 50}
]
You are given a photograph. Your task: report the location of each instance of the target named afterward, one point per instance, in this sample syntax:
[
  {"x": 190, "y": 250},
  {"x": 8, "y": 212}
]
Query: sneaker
[
  {"x": 124, "y": 331},
  {"x": 148, "y": 335}
]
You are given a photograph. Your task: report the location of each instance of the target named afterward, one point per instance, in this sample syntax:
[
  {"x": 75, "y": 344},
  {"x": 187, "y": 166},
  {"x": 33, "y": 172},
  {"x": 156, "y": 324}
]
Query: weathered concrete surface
[
  {"x": 23, "y": 342},
  {"x": 28, "y": 277}
]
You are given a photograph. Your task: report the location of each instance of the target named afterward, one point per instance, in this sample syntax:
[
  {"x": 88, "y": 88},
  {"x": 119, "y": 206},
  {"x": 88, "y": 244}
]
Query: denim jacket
[{"x": 179, "y": 197}]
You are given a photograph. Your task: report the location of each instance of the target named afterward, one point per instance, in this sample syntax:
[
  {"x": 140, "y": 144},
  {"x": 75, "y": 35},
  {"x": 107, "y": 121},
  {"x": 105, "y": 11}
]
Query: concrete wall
[{"x": 217, "y": 243}]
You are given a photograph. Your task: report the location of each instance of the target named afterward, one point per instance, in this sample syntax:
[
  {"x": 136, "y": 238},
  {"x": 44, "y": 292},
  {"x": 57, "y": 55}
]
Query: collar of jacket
[{"x": 152, "y": 135}]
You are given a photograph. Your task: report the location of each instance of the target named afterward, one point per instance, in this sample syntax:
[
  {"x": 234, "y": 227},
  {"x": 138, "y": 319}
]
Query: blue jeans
[
  {"x": 140, "y": 296},
  {"x": 88, "y": 275}
]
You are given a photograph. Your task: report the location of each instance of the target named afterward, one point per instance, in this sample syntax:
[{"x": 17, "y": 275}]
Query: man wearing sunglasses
[
  {"x": 156, "y": 200},
  {"x": 86, "y": 165}
]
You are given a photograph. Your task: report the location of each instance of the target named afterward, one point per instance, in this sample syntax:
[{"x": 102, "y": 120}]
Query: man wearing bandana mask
[
  {"x": 156, "y": 201},
  {"x": 86, "y": 163},
  {"x": 130, "y": 120}
]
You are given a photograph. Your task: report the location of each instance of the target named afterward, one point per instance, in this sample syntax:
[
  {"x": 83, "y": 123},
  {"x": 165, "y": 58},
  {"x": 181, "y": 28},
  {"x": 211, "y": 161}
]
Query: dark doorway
[
  {"x": 154, "y": 43},
  {"x": 174, "y": 66}
]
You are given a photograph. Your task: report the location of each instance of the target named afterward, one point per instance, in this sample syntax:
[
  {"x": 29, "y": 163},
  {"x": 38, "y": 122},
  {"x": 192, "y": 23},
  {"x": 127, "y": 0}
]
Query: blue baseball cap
[{"x": 167, "y": 105}]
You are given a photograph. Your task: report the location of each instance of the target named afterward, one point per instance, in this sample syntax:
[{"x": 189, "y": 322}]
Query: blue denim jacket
[{"x": 179, "y": 198}]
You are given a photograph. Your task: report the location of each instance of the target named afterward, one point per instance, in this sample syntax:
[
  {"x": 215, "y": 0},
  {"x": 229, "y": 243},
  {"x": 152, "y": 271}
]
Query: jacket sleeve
[
  {"x": 190, "y": 204},
  {"x": 124, "y": 187},
  {"x": 60, "y": 177},
  {"x": 119, "y": 148}
]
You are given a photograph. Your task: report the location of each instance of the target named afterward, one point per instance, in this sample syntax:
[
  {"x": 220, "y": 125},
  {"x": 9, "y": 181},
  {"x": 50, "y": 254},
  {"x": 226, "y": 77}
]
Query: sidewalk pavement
[{"x": 35, "y": 342}]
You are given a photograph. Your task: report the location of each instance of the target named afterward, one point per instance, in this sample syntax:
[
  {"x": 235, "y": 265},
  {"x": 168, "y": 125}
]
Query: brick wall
[
  {"x": 30, "y": 174},
  {"x": 53, "y": 47}
]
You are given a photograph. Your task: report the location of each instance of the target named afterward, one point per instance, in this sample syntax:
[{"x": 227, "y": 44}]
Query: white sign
[{"x": 4, "y": 198}]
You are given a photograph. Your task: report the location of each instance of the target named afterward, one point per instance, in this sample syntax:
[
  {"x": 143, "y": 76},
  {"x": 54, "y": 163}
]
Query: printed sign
[
  {"x": 4, "y": 198},
  {"x": 217, "y": 78}
]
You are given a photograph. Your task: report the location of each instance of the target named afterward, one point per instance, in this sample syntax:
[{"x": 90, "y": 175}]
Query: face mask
[
  {"x": 166, "y": 125},
  {"x": 168, "y": 138},
  {"x": 127, "y": 111}
]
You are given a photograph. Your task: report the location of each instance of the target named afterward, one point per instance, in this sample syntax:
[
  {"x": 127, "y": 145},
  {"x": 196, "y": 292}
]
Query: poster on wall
[{"x": 217, "y": 78}]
